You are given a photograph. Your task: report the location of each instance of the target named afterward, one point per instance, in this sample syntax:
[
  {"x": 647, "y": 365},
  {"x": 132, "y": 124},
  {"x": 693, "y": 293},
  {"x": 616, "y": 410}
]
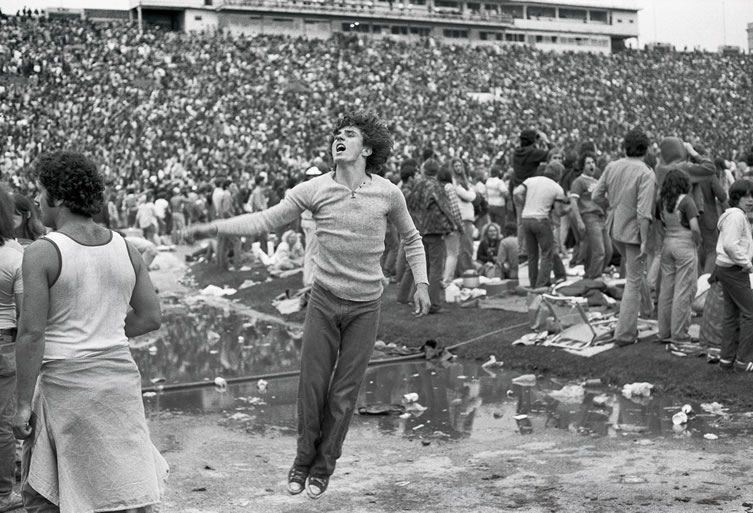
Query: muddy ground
[{"x": 221, "y": 468}]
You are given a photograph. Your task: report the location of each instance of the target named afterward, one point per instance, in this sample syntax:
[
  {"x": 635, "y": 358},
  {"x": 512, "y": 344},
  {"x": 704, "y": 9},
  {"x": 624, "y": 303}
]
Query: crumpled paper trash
[
  {"x": 214, "y": 290},
  {"x": 640, "y": 389}
]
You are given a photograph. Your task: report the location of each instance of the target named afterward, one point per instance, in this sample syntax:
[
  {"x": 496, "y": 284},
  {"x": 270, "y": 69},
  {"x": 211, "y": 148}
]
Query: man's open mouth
[{"x": 339, "y": 147}]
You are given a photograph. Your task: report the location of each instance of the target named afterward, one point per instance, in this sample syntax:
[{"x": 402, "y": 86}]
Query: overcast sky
[{"x": 691, "y": 23}]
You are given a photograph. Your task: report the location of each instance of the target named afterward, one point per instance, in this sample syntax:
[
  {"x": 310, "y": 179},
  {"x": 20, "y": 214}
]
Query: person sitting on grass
[
  {"x": 507, "y": 254},
  {"x": 488, "y": 248},
  {"x": 734, "y": 251},
  {"x": 289, "y": 253}
]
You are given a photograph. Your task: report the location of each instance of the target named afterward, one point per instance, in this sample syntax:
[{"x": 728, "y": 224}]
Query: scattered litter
[
  {"x": 596, "y": 382},
  {"x": 687, "y": 409},
  {"x": 406, "y": 416},
  {"x": 714, "y": 408},
  {"x": 491, "y": 363},
  {"x": 418, "y": 427},
  {"x": 415, "y": 408},
  {"x": 644, "y": 441},
  {"x": 524, "y": 424},
  {"x": 601, "y": 400},
  {"x": 220, "y": 383},
  {"x": 149, "y": 394},
  {"x": 214, "y": 290},
  {"x": 402, "y": 483},
  {"x": 152, "y": 350},
  {"x": 637, "y": 389},
  {"x": 248, "y": 283},
  {"x": 710, "y": 436},
  {"x": 411, "y": 397},
  {"x": 288, "y": 306},
  {"x": 568, "y": 394},
  {"x": 679, "y": 418},
  {"x": 525, "y": 380},
  {"x": 240, "y": 417},
  {"x": 262, "y": 385},
  {"x": 157, "y": 380}
]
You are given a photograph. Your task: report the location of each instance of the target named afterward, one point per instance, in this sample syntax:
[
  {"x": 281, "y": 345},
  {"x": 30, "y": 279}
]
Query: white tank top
[{"x": 90, "y": 298}]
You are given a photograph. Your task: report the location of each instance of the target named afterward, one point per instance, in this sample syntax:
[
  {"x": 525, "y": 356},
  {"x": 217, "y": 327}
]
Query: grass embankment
[{"x": 689, "y": 377}]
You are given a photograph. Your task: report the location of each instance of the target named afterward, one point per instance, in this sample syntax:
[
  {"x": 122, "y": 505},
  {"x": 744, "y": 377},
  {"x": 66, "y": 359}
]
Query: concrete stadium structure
[{"x": 600, "y": 26}]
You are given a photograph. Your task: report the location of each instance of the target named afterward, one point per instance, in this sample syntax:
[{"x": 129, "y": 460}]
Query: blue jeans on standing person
[
  {"x": 465, "y": 256},
  {"x": 738, "y": 312},
  {"x": 598, "y": 245},
  {"x": 338, "y": 339},
  {"x": 539, "y": 242},
  {"x": 434, "y": 249},
  {"x": 635, "y": 270},
  {"x": 679, "y": 269}
]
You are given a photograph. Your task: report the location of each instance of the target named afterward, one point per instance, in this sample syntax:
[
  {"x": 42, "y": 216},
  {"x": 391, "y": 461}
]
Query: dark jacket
[
  {"x": 525, "y": 162},
  {"x": 430, "y": 208}
]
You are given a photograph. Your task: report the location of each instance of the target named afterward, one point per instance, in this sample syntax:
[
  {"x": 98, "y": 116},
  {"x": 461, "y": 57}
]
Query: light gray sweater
[{"x": 350, "y": 227}]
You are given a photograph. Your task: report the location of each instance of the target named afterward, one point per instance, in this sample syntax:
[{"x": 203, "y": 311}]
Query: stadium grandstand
[{"x": 563, "y": 25}]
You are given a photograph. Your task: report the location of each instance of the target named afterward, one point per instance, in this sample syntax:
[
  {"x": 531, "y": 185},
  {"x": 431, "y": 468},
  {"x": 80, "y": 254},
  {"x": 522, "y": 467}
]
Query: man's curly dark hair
[
  {"x": 376, "y": 136},
  {"x": 636, "y": 143},
  {"x": 73, "y": 178}
]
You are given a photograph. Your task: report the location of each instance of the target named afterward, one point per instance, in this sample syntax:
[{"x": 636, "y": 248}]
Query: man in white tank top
[{"x": 73, "y": 356}]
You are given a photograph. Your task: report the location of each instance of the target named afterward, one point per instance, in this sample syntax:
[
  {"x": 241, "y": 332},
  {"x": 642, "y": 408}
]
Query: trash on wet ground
[
  {"x": 525, "y": 380},
  {"x": 454, "y": 400},
  {"x": 637, "y": 390},
  {"x": 524, "y": 424},
  {"x": 214, "y": 290}
]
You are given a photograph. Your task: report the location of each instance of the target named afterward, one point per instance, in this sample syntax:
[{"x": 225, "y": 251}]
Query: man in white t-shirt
[{"x": 539, "y": 195}]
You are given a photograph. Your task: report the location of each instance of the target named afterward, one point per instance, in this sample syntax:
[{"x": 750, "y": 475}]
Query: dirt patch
[{"x": 223, "y": 470}]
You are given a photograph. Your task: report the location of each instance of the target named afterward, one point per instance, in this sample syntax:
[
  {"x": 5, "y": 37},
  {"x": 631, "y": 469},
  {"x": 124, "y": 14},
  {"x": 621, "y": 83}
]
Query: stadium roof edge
[{"x": 622, "y": 5}]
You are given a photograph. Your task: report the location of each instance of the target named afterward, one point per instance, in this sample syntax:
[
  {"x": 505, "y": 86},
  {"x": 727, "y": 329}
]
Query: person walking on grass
[
  {"x": 79, "y": 408},
  {"x": 351, "y": 207}
]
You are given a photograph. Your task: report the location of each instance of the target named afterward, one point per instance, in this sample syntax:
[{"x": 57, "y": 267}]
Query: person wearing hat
[
  {"x": 533, "y": 150},
  {"x": 310, "y": 241}
]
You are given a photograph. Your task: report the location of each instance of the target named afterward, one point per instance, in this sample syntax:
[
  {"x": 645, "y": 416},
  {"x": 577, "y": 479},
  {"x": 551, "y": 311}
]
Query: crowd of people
[
  {"x": 185, "y": 135},
  {"x": 161, "y": 105}
]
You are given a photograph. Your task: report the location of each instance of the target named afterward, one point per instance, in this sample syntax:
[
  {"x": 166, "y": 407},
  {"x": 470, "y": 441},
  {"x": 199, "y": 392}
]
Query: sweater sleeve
[
  {"x": 732, "y": 235},
  {"x": 286, "y": 211},
  {"x": 414, "y": 248}
]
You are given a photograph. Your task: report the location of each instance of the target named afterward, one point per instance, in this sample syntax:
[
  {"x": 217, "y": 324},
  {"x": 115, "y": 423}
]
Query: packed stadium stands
[{"x": 211, "y": 104}]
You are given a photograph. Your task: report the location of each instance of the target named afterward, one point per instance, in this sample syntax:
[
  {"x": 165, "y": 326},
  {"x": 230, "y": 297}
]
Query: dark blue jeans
[
  {"x": 539, "y": 241},
  {"x": 338, "y": 338},
  {"x": 435, "y": 256},
  {"x": 738, "y": 312}
]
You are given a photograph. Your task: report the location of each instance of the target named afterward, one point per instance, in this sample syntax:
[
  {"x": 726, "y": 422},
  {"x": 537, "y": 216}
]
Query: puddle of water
[
  {"x": 461, "y": 399},
  {"x": 200, "y": 342}
]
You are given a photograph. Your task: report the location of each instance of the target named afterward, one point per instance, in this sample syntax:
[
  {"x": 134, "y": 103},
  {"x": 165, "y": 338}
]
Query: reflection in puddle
[
  {"x": 455, "y": 401},
  {"x": 200, "y": 343}
]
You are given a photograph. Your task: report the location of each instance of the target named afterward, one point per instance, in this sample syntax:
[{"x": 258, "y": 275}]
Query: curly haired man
[
  {"x": 79, "y": 407},
  {"x": 351, "y": 206}
]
